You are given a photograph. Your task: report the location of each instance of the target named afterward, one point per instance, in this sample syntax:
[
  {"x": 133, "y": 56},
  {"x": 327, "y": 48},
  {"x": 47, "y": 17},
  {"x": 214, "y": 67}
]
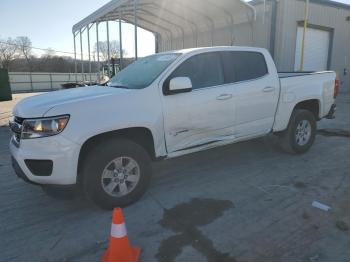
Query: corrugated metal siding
[
  {"x": 242, "y": 35},
  {"x": 262, "y": 25},
  {"x": 290, "y": 12},
  {"x": 256, "y": 33}
]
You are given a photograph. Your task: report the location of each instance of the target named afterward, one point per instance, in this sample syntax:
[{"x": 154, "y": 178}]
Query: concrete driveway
[{"x": 244, "y": 202}]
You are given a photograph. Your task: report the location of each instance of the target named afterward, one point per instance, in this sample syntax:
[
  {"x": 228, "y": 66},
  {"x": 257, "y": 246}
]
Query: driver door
[{"x": 206, "y": 114}]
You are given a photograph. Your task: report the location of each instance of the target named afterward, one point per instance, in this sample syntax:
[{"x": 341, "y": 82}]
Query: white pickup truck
[{"x": 104, "y": 138}]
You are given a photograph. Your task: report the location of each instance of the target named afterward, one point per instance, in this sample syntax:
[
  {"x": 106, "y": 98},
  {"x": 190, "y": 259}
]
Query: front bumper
[
  {"x": 19, "y": 172},
  {"x": 63, "y": 153}
]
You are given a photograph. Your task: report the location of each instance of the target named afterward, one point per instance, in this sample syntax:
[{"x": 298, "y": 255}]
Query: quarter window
[
  {"x": 243, "y": 66},
  {"x": 204, "y": 70}
]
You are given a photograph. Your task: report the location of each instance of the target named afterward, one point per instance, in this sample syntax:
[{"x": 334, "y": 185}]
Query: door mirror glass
[{"x": 180, "y": 85}]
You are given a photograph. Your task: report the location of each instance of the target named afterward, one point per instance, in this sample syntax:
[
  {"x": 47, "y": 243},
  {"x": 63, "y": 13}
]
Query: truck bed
[{"x": 301, "y": 86}]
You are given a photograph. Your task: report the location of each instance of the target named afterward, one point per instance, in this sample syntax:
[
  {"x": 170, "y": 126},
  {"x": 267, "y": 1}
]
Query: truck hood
[{"x": 37, "y": 106}]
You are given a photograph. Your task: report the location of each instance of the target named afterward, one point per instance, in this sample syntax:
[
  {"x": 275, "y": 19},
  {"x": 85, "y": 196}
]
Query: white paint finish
[
  {"x": 198, "y": 117},
  {"x": 316, "y": 49},
  {"x": 116, "y": 109},
  {"x": 256, "y": 105},
  {"x": 288, "y": 97},
  {"x": 63, "y": 152},
  {"x": 176, "y": 122},
  {"x": 38, "y": 105},
  {"x": 256, "y": 102},
  {"x": 295, "y": 89},
  {"x": 180, "y": 83}
]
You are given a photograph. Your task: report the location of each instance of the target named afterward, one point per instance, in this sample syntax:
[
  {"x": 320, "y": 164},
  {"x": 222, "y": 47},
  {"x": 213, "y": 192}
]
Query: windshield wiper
[{"x": 118, "y": 86}]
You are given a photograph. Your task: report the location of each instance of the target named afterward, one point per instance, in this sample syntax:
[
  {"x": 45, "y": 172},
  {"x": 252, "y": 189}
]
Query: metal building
[
  {"x": 176, "y": 24},
  {"x": 273, "y": 24},
  {"x": 279, "y": 28}
]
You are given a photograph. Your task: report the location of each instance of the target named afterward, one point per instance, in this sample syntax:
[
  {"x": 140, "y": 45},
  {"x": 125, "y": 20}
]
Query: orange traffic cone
[{"x": 119, "y": 249}]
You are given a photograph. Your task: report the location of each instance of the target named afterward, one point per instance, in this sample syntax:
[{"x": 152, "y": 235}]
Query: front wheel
[
  {"x": 116, "y": 173},
  {"x": 301, "y": 132}
]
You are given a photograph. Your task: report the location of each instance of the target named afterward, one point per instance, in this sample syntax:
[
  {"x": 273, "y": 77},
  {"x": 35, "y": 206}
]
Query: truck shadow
[{"x": 223, "y": 158}]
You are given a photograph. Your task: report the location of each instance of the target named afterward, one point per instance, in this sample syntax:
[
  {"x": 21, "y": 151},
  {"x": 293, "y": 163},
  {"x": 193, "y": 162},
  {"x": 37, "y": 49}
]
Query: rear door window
[
  {"x": 204, "y": 70},
  {"x": 243, "y": 65}
]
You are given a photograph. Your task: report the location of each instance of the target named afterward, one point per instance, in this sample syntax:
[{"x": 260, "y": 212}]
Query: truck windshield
[{"x": 143, "y": 72}]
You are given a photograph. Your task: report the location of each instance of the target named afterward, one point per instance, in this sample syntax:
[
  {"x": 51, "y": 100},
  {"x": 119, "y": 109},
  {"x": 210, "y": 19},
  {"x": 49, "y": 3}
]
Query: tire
[
  {"x": 115, "y": 164},
  {"x": 300, "y": 134}
]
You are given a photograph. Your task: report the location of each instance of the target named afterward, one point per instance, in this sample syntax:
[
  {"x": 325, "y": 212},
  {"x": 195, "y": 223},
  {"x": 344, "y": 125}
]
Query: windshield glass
[{"x": 143, "y": 72}]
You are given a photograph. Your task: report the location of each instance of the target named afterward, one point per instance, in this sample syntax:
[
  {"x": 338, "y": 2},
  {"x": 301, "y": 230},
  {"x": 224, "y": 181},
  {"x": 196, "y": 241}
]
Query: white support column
[
  {"x": 135, "y": 24},
  {"x": 120, "y": 41},
  {"x": 88, "y": 36},
  {"x": 81, "y": 53},
  {"x": 183, "y": 39},
  {"x": 75, "y": 58},
  {"x": 171, "y": 40},
  {"x": 98, "y": 52},
  {"x": 156, "y": 40},
  {"x": 108, "y": 49}
]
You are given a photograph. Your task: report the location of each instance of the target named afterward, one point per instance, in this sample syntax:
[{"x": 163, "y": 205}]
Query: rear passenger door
[{"x": 256, "y": 91}]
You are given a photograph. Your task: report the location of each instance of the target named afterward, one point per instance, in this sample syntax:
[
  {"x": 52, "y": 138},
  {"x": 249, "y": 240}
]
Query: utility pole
[{"x": 304, "y": 35}]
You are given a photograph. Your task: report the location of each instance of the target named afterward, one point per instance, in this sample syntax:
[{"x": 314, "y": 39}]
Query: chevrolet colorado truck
[{"x": 103, "y": 138}]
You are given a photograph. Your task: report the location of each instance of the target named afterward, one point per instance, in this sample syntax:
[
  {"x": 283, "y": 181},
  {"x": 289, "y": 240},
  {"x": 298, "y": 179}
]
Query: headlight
[{"x": 43, "y": 127}]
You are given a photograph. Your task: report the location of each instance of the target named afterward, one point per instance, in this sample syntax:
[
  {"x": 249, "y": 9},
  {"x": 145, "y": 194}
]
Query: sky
[{"x": 48, "y": 23}]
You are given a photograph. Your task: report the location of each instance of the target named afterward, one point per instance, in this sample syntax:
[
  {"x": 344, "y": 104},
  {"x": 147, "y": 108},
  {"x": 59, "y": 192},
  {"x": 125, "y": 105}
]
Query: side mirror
[{"x": 180, "y": 85}]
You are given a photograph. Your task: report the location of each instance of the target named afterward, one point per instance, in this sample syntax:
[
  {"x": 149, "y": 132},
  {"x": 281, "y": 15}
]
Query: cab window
[{"x": 204, "y": 70}]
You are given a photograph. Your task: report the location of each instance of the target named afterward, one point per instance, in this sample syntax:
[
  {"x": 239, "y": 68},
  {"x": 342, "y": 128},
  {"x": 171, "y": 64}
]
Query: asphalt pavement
[{"x": 244, "y": 202}]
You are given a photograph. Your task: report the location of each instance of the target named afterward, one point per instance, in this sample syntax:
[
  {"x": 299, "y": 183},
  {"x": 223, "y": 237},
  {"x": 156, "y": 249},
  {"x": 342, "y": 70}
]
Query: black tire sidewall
[
  {"x": 97, "y": 160},
  {"x": 297, "y": 117}
]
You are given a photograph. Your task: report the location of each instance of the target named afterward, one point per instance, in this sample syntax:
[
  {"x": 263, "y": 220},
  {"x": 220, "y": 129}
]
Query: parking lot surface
[{"x": 243, "y": 202}]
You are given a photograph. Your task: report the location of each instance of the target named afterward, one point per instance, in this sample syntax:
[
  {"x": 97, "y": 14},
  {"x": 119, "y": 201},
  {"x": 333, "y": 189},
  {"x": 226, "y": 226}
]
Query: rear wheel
[
  {"x": 301, "y": 132},
  {"x": 116, "y": 173}
]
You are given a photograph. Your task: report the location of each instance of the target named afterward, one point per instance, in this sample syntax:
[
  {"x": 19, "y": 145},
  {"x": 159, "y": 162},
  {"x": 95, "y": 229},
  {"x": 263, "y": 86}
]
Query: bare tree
[
  {"x": 8, "y": 52},
  {"x": 103, "y": 50},
  {"x": 25, "y": 47},
  {"x": 49, "y": 53},
  {"x": 45, "y": 60}
]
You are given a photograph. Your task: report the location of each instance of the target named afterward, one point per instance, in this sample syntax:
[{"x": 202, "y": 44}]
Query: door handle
[
  {"x": 224, "y": 97},
  {"x": 268, "y": 89}
]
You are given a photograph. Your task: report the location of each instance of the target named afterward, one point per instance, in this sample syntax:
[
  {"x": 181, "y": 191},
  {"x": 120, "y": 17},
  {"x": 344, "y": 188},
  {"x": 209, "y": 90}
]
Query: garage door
[{"x": 316, "y": 49}]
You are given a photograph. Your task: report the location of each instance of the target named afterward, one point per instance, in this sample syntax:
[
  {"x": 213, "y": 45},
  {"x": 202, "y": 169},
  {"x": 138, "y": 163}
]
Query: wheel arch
[
  {"x": 285, "y": 111},
  {"x": 140, "y": 135},
  {"x": 312, "y": 105}
]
